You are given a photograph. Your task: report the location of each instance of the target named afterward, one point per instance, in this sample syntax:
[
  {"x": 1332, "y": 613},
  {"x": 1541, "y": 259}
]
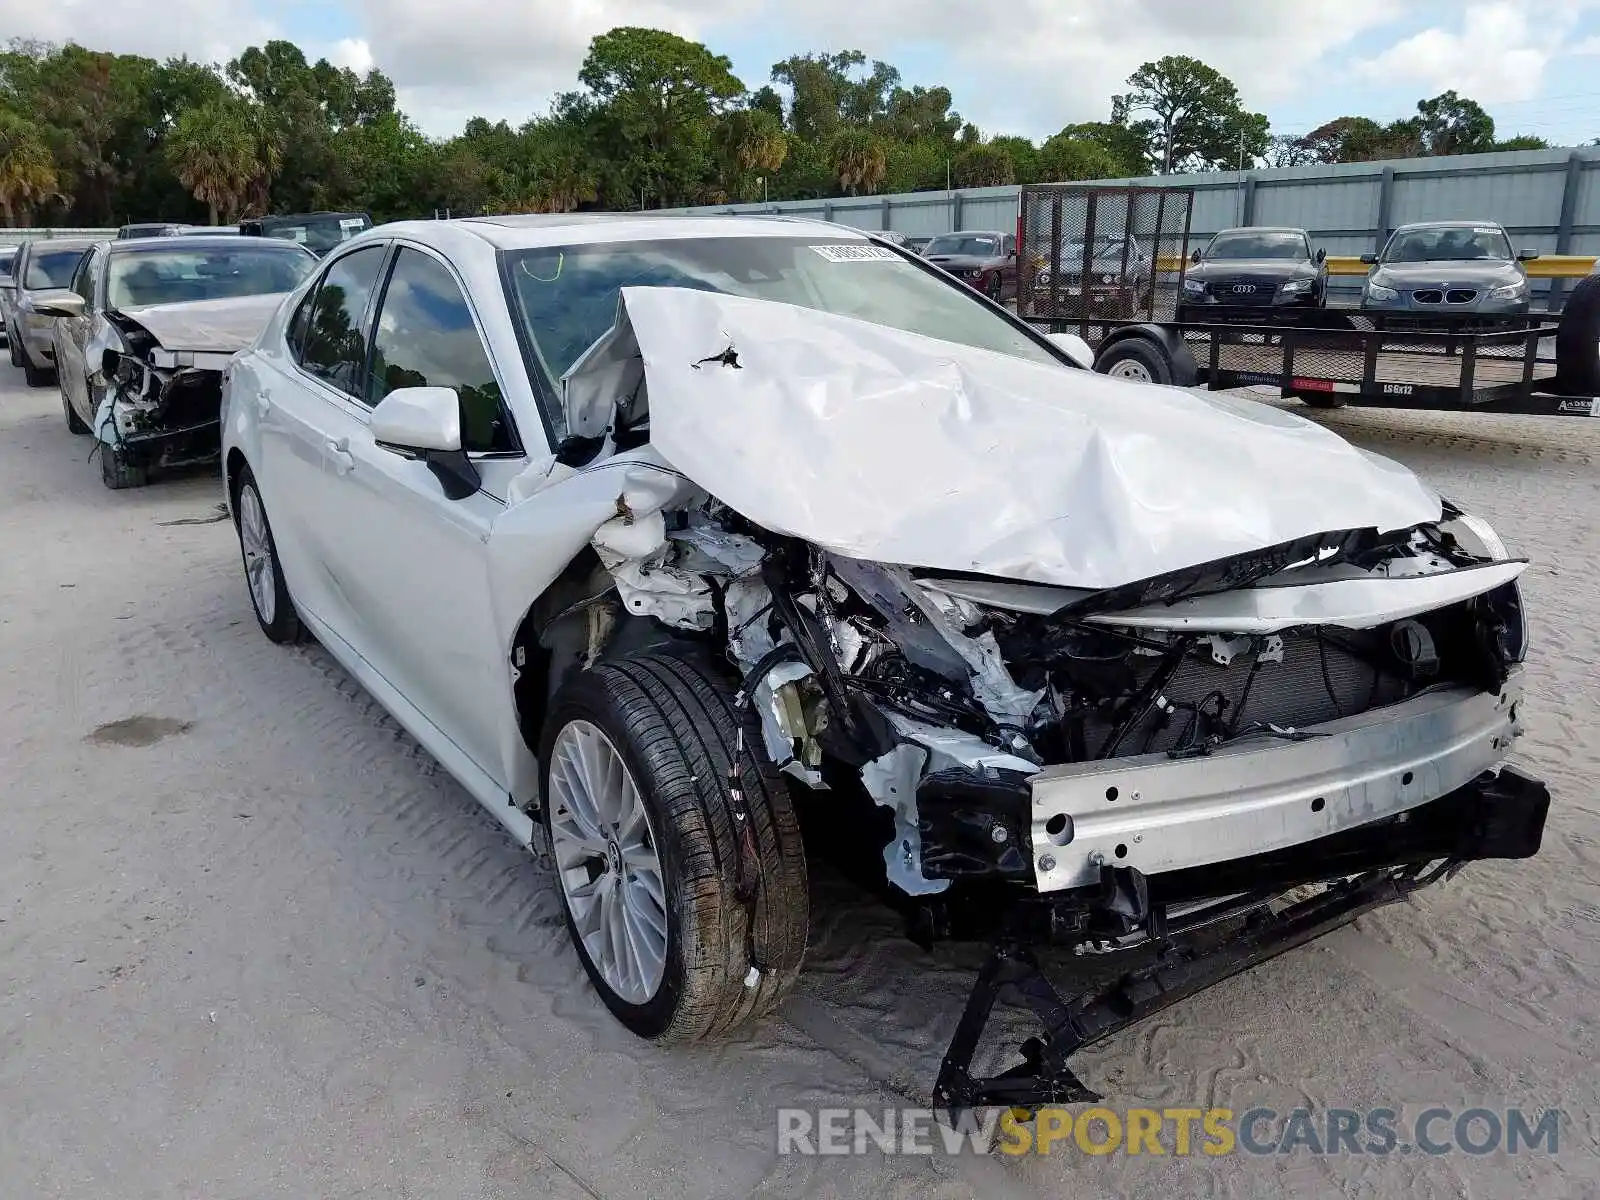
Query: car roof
[
  {"x": 190, "y": 241},
  {"x": 1262, "y": 229},
  {"x": 970, "y": 233},
  {"x": 77, "y": 243},
  {"x": 1450, "y": 225},
  {"x": 531, "y": 230}
]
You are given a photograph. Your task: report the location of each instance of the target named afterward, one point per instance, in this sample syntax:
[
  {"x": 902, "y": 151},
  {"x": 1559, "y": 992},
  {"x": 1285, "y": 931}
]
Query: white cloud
[
  {"x": 1499, "y": 54},
  {"x": 208, "y": 30},
  {"x": 355, "y": 53},
  {"x": 1036, "y": 64}
]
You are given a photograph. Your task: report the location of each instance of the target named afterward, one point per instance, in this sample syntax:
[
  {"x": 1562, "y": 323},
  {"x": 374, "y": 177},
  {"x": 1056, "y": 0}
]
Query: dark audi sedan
[{"x": 1257, "y": 267}]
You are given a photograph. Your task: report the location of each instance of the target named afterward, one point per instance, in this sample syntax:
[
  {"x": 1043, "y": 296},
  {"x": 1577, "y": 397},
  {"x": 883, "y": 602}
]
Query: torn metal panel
[
  {"x": 891, "y": 780},
  {"x": 999, "y": 466},
  {"x": 788, "y": 723}
]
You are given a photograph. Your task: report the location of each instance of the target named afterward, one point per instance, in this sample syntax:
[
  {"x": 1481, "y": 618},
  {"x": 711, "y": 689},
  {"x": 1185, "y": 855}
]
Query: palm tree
[
  {"x": 748, "y": 141},
  {"x": 27, "y": 168},
  {"x": 218, "y": 152},
  {"x": 858, "y": 159}
]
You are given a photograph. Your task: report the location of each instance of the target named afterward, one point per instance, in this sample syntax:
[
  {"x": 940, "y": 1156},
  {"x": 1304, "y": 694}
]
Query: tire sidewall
[
  {"x": 1138, "y": 350},
  {"x": 583, "y": 698},
  {"x": 285, "y": 624}
]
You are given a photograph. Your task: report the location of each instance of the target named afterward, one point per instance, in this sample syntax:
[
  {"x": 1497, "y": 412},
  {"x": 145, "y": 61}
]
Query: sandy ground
[{"x": 270, "y": 949}]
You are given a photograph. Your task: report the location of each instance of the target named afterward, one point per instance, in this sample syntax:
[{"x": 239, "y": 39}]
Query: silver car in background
[
  {"x": 41, "y": 266},
  {"x": 1439, "y": 268}
]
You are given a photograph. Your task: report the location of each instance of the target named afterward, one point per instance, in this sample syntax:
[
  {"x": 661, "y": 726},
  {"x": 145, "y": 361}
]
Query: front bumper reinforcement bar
[{"x": 1498, "y": 815}]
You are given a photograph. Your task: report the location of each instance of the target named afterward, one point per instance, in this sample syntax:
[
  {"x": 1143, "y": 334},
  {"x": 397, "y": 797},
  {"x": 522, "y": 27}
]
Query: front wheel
[
  {"x": 269, "y": 594},
  {"x": 34, "y": 376},
  {"x": 119, "y": 470},
  {"x": 676, "y": 848}
]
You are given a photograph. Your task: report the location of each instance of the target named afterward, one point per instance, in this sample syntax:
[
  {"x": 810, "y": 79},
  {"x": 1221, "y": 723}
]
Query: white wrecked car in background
[
  {"x": 144, "y": 332},
  {"x": 657, "y": 530}
]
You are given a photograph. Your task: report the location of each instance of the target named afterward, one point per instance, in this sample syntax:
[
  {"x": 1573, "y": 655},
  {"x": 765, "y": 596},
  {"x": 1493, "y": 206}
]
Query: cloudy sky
[{"x": 1016, "y": 66}]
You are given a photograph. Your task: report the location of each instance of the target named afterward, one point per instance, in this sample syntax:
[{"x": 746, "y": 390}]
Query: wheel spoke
[{"x": 606, "y": 862}]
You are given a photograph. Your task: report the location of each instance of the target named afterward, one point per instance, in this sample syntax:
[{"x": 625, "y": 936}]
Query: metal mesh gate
[{"x": 1089, "y": 255}]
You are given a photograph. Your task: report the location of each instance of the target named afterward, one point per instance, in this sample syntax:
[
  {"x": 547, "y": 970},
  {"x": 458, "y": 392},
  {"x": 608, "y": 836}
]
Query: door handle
[{"x": 339, "y": 451}]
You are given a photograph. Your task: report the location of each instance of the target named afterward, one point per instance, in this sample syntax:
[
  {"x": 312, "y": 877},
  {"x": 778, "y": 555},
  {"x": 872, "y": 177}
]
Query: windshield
[
  {"x": 174, "y": 276},
  {"x": 980, "y": 245},
  {"x": 7, "y": 257},
  {"x": 567, "y": 296},
  {"x": 52, "y": 268},
  {"x": 319, "y": 234},
  {"x": 1104, "y": 248},
  {"x": 1450, "y": 244},
  {"x": 1258, "y": 244}
]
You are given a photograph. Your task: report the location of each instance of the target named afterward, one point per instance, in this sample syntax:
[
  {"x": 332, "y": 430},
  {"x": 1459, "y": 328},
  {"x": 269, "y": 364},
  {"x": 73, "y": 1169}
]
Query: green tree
[
  {"x": 27, "y": 168},
  {"x": 859, "y": 160},
  {"x": 218, "y": 152},
  {"x": 659, "y": 94},
  {"x": 987, "y": 165},
  {"x": 751, "y": 144},
  {"x": 828, "y": 94},
  {"x": 1064, "y": 158},
  {"x": 1452, "y": 124},
  {"x": 1522, "y": 141},
  {"x": 1196, "y": 119}
]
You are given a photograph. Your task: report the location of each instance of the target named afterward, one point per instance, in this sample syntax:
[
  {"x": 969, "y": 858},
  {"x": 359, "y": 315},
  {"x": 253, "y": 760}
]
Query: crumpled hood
[
  {"x": 222, "y": 326},
  {"x": 890, "y": 446}
]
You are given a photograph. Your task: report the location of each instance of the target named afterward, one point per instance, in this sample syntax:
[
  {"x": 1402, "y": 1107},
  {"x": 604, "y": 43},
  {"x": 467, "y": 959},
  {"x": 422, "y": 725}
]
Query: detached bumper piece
[{"x": 1498, "y": 815}]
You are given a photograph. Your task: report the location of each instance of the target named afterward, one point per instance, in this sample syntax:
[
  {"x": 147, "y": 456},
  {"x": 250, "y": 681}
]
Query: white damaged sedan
[{"x": 672, "y": 536}]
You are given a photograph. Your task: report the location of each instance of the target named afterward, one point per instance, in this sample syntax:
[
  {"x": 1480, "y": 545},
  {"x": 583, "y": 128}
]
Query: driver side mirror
[
  {"x": 1321, "y": 256},
  {"x": 425, "y": 423},
  {"x": 1369, "y": 259},
  {"x": 1527, "y": 255},
  {"x": 1194, "y": 255},
  {"x": 58, "y": 303}
]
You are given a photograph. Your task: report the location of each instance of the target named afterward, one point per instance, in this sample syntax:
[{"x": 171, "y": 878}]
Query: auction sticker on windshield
[{"x": 856, "y": 253}]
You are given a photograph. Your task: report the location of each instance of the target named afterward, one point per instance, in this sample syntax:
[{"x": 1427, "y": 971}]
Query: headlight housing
[
  {"x": 1195, "y": 287},
  {"x": 1295, "y": 286},
  {"x": 1376, "y": 291},
  {"x": 1510, "y": 291}
]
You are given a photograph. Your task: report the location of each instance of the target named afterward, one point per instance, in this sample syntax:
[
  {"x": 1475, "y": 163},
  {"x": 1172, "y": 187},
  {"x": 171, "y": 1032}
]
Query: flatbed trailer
[{"x": 1535, "y": 364}]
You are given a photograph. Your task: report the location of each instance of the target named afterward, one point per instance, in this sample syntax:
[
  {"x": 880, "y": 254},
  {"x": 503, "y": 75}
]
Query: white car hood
[
  {"x": 226, "y": 326},
  {"x": 898, "y": 448}
]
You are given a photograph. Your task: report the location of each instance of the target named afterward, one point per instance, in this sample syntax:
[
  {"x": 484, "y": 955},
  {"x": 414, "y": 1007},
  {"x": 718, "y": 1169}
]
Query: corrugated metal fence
[
  {"x": 12, "y": 237},
  {"x": 1549, "y": 200}
]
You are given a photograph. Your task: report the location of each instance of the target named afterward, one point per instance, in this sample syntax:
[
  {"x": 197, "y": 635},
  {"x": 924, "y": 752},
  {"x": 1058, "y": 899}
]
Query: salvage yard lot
[{"x": 255, "y": 942}]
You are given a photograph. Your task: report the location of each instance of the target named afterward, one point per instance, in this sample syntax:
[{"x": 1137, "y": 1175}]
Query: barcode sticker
[{"x": 856, "y": 252}]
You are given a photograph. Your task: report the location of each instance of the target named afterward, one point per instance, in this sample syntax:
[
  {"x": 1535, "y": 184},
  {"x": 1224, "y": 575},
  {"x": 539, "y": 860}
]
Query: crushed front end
[
  {"x": 1198, "y": 771},
  {"x": 158, "y": 408}
]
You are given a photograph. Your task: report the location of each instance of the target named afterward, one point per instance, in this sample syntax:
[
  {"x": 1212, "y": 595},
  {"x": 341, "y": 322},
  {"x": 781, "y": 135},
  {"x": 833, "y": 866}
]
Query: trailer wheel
[
  {"x": 1136, "y": 359},
  {"x": 1578, "y": 341},
  {"x": 1329, "y": 401}
]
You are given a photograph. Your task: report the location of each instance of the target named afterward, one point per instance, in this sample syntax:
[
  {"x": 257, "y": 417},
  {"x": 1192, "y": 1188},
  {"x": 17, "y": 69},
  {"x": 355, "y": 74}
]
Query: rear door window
[{"x": 334, "y": 348}]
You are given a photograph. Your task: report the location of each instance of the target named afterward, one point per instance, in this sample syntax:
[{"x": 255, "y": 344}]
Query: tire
[
  {"x": 997, "y": 287},
  {"x": 13, "y": 348},
  {"x": 75, "y": 423},
  {"x": 670, "y": 721},
  {"x": 119, "y": 472},
  {"x": 1136, "y": 359},
  {"x": 1578, "y": 341},
  {"x": 36, "y": 376},
  {"x": 258, "y": 552}
]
